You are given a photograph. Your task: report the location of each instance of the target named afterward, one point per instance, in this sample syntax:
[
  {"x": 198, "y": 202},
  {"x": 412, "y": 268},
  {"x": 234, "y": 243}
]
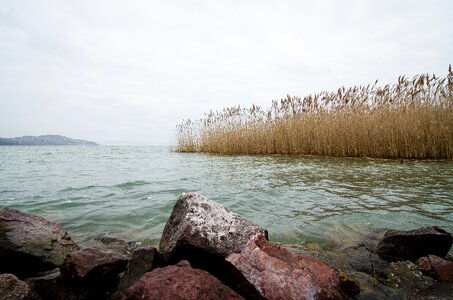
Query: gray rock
[
  {"x": 11, "y": 288},
  {"x": 406, "y": 278},
  {"x": 31, "y": 244},
  {"x": 198, "y": 223}
]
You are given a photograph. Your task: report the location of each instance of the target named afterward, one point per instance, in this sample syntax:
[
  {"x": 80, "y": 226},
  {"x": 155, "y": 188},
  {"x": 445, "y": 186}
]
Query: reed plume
[{"x": 411, "y": 119}]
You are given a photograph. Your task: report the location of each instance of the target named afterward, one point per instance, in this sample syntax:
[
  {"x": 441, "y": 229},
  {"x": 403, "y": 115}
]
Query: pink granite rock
[
  {"x": 179, "y": 282},
  {"x": 278, "y": 273},
  {"x": 442, "y": 267}
]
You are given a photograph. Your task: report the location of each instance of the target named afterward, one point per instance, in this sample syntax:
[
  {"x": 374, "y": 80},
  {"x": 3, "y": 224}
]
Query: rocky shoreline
[{"x": 209, "y": 252}]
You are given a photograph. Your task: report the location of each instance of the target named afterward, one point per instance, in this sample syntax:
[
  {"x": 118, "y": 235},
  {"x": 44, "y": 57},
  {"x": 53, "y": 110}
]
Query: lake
[{"x": 129, "y": 191}]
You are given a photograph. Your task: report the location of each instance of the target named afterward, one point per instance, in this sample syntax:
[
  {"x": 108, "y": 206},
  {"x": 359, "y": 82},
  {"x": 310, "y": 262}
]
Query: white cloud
[{"x": 132, "y": 70}]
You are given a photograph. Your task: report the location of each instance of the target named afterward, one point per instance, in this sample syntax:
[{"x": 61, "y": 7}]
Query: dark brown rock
[
  {"x": 179, "y": 282},
  {"x": 31, "y": 244},
  {"x": 278, "y": 273},
  {"x": 48, "y": 287},
  {"x": 11, "y": 288},
  {"x": 443, "y": 268},
  {"x": 92, "y": 272},
  {"x": 143, "y": 260},
  {"x": 410, "y": 245},
  {"x": 197, "y": 222}
]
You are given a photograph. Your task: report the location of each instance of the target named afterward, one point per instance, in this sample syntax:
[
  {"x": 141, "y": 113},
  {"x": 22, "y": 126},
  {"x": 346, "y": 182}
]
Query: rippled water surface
[{"x": 130, "y": 191}]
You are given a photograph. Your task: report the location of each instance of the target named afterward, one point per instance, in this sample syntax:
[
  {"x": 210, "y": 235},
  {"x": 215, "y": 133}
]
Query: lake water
[{"x": 130, "y": 191}]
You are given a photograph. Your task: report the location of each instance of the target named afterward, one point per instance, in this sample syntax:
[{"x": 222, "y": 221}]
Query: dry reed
[{"x": 411, "y": 119}]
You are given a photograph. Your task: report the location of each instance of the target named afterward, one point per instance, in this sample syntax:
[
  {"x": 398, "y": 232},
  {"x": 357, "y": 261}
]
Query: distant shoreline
[{"x": 44, "y": 140}]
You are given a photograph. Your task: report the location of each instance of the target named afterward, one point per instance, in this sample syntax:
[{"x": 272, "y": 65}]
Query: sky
[{"x": 127, "y": 72}]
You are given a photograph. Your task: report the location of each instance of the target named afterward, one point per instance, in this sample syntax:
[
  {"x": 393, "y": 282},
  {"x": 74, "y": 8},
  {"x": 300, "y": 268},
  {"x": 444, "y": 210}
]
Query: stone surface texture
[
  {"x": 143, "y": 260},
  {"x": 179, "y": 282},
  {"x": 411, "y": 245},
  {"x": 198, "y": 222},
  {"x": 92, "y": 273},
  {"x": 11, "y": 288},
  {"x": 30, "y": 244},
  {"x": 442, "y": 267},
  {"x": 278, "y": 273}
]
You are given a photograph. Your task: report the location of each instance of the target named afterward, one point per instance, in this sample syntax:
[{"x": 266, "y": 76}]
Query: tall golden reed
[{"x": 411, "y": 119}]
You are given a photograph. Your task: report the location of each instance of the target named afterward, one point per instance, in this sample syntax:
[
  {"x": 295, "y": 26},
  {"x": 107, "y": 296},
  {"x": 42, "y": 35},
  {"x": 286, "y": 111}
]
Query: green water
[{"x": 130, "y": 191}]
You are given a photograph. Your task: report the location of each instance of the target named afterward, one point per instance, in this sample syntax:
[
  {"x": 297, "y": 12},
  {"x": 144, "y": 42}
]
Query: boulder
[
  {"x": 49, "y": 286},
  {"x": 143, "y": 260},
  {"x": 277, "y": 273},
  {"x": 440, "y": 268},
  {"x": 31, "y": 244},
  {"x": 406, "y": 278},
  {"x": 179, "y": 281},
  {"x": 197, "y": 223},
  {"x": 11, "y": 288},
  {"x": 410, "y": 245},
  {"x": 92, "y": 273}
]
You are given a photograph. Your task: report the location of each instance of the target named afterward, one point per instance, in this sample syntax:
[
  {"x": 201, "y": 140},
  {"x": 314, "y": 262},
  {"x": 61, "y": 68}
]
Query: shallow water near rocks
[{"x": 130, "y": 191}]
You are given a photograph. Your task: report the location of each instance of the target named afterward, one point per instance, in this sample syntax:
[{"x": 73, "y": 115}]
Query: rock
[
  {"x": 349, "y": 285},
  {"x": 31, "y": 244},
  {"x": 410, "y": 245},
  {"x": 441, "y": 291},
  {"x": 143, "y": 260},
  {"x": 11, "y": 288},
  {"x": 406, "y": 278},
  {"x": 198, "y": 223},
  {"x": 48, "y": 287},
  {"x": 363, "y": 260},
  {"x": 442, "y": 267},
  {"x": 179, "y": 282},
  {"x": 116, "y": 244},
  {"x": 92, "y": 273},
  {"x": 277, "y": 273}
]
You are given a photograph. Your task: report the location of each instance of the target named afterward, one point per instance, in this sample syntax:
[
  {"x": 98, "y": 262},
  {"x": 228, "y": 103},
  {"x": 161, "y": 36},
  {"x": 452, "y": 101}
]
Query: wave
[{"x": 131, "y": 184}]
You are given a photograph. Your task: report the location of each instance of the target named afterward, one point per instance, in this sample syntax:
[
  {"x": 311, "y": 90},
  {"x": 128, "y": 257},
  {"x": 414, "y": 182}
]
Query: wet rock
[
  {"x": 179, "y": 282},
  {"x": 362, "y": 259},
  {"x": 406, "y": 278},
  {"x": 410, "y": 245},
  {"x": 441, "y": 291},
  {"x": 142, "y": 261},
  {"x": 349, "y": 285},
  {"x": 31, "y": 244},
  {"x": 92, "y": 272},
  {"x": 277, "y": 273},
  {"x": 11, "y": 288},
  {"x": 438, "y": 267},
  {"x": 116, "y": 244},
  {"x": 197, "y": 223},
  {"x": 48, "y": 287}
]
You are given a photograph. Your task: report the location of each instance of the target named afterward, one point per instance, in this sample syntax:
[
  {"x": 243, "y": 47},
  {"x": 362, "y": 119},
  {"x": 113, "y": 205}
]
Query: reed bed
[{"x": 411, "y": 119}]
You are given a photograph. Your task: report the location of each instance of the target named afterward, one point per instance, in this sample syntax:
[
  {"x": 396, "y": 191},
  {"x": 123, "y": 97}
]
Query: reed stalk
[{"x": 411, "y": 119}]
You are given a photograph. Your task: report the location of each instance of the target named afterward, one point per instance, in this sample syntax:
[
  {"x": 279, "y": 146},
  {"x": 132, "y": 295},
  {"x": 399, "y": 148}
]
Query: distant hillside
[{"x": 43, "y": 140}]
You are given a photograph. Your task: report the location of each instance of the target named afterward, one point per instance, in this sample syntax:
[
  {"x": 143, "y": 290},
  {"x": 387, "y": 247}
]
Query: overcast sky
[{"x": 129, "y": 71}]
